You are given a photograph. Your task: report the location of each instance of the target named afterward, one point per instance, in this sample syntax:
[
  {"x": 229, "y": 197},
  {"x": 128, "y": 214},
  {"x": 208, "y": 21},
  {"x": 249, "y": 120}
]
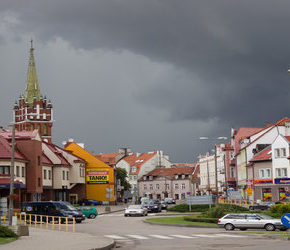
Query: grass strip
[
  {"x": 178, "y": 220},
  {"x": 4, "y": 240}
]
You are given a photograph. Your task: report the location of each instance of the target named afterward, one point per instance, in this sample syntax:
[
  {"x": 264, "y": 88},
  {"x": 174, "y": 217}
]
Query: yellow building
[{"x": 100, "y": 177}]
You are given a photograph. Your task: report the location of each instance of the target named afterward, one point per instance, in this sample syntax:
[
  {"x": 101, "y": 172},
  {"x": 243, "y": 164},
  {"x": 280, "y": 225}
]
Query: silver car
[
  {"x": 245, "y": 221},
  {"x": 134, "y": 210}
]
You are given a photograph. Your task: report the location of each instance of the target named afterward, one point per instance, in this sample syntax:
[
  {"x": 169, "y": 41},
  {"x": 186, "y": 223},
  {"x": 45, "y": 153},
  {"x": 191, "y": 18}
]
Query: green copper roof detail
[{"x": 32, "y": 86}]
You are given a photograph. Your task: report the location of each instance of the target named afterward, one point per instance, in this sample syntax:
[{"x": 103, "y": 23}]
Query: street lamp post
[{"x": 215, "y": 163}]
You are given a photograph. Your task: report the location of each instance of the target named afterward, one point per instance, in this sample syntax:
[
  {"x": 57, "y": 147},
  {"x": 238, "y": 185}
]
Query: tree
[{"x": 122, "y": 175}]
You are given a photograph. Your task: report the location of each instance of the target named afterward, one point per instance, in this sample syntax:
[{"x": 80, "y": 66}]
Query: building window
[
  {"x": 145, "y": 187},
  {"x": 133, "y": 169},
  {"x": 176, "y": 176},
  {"x": 81, "y": 172},
  {"x": 182, "y": 186},
  {"x": 175, "y": 186},
  {"x": 262, "y": 173},
  {"x": 4, "y": 169},
  {"x": 268, "y": 173},
  {"x": 150, "y": 178},
  {"x": 39, "y": 182},
  {"x": 151, "y": 187},
  {"x": 49, "y": 174},
  {"x": 277, "y": 152},
  {"x": 131, "y": 177},
  {"x": 44, "y": 129},
  {"x": 63, "y": 175},
  {"x": 38, "y": 160},
  {"x": 17, "y": 171},
  {"x": 157, "y": 186},
  {"x": 280, "y": 152},
  {"x": 44, "y": 174},
  {"x": 144, "y": 178},
  {"x": 167, "y": 186},
  {"x": 67, "y": 175},
  {"x": 281, "y": 172},
  {"x": 283, "y": 152},
  {"x": 232, "y": 172},
  {"x": 23, "y": 171},
  {"x": 135, "y": 177},
  {"x": 183, "y": 176}
]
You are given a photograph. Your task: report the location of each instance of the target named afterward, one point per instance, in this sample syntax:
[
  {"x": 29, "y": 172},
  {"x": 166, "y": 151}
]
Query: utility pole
[{"x": 12, "y": 176}]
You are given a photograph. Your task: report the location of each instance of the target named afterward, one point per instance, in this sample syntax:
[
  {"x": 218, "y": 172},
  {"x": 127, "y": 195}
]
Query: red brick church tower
[{"x": 33, "y": 111}]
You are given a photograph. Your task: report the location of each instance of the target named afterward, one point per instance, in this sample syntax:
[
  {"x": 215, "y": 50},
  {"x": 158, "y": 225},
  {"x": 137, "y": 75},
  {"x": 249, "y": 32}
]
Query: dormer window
[
  {"x": 133, "y": 169},
  {"x": 151, "y": 178},
  {"x": 144, "y": 178},
  {"x": 183, "y": 176},
  {"x": 176, "y": 176}
]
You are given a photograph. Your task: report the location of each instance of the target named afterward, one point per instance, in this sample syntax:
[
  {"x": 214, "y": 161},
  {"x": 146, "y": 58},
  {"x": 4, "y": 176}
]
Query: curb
[
  {"x": 112, "y": 211},
  {"x": 177, "y": 225},
  {"x": 108, "y": 247}
]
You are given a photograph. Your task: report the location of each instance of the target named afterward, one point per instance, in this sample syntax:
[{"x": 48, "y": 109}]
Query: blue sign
[{"x": 285, "y": 219}]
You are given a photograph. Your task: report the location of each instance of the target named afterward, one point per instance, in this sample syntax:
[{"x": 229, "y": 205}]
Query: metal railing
[{"x": 46, "y": 222}]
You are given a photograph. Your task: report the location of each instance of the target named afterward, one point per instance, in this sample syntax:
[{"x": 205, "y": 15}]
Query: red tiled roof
[
  {"x": 264, "y": 155},
  {"x": 137, "y": 160},
  {"x": 45, "y": 159},
  {"x": 171, "y": 172},
  {"x": 5, "y": 150},
  {"x": 243, "y": 133},
  {"x": 19, "y": 134},
  {"x": 53, "y": 148},
  {"x": 288, "y": 138},
  {"x": 109, "y": 158},
  {"x": 184, "y": 164},
  {"x": 6, "y": 181}
]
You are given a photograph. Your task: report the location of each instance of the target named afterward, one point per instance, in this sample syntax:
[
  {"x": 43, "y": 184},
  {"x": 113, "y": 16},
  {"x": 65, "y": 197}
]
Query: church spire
[{"x": 32, "y": 86}]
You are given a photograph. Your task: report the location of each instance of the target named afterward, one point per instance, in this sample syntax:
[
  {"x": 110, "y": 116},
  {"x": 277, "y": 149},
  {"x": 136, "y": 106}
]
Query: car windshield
[
  {"x": 135, "y": 207},
  {"x": 264, "y": 216},
  {"x": 65, "y": 206}
]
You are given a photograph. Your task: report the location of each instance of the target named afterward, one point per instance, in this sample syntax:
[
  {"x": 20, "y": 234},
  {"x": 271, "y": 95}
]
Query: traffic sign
[{"x": 285, "y": 219}]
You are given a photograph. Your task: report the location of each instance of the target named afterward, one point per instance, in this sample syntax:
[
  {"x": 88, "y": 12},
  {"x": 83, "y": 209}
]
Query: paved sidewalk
[
  {"x": 46, "y": 239},
  {"x": 54, "y": 240}
]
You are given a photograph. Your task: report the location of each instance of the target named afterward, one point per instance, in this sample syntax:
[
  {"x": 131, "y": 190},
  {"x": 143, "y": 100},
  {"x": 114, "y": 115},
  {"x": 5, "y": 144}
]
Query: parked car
[
  {"x": 89, "y": 202},
  {"x": 260, "y": 207},
  {"x": 250, "y": 221},
  {"x": 164, "y": 205},
  {"x": 89, "y": 212},
  {"x": 153, "y": 206},
  {"x": 134, "y": 210},
  {"x": 51, "y": 208},
  {"x": 169, "y": 200}
]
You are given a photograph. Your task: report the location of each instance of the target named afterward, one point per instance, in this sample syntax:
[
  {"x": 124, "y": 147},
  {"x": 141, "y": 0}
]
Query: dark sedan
[
  {"x": 153, "y": 206},
  {"x": 89, "y": 202}
]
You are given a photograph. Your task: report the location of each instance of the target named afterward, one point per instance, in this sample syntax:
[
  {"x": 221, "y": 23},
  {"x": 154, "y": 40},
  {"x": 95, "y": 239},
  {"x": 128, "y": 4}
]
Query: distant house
[
  {"x": 167, "y": 182},
  {"x": 139, "y": 164}
]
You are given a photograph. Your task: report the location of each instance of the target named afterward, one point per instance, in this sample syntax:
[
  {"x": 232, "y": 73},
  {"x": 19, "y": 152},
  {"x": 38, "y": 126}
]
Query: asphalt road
[{"x": 133, "y": 233}]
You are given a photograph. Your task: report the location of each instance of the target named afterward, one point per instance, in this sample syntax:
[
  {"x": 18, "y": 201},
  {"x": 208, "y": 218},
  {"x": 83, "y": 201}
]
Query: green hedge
[
  {"x": 223, "y": 209},
  {"x": 200, "y": 219},
  {"x": 6, "y": 232},
  {"x": 280, "y": 209},
  {"x": 182, "y": 208}
]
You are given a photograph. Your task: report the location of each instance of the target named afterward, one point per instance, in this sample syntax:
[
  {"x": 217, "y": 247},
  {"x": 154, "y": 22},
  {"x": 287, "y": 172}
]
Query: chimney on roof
[
  {"x": 82, "y": 145},
  {"x": 1, "y": 128},
  {"x": 138, "y": 154},
  {"x": 125, "y": 151},
  {"x": 70, "y": 140}
]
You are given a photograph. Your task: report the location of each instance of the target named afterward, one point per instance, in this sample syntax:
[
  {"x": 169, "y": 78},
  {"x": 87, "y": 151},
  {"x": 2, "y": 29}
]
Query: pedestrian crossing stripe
[{"x": 170, "y": 237}]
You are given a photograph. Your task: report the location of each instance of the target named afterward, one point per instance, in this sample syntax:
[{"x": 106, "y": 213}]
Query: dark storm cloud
[{"x": 231, "y": 56}]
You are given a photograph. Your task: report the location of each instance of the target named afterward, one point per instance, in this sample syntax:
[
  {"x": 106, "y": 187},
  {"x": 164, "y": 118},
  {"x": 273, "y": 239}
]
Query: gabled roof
[
  {"x": 185, "y": 164},
  {"x": 58, "y": 154},
  {"x": 243, "y": 133},
  {"x": 109, "y": 158},
  {"x": 264, "y": 155},
  {"x": 137, "y": 160},
  {"x": 288, "y": 138},
  {"x": 20, "y": 135},
  {"x": 281, "y": 122},
  {"x": 171, "y": 172},
  {"x": 6, "y": 150}
]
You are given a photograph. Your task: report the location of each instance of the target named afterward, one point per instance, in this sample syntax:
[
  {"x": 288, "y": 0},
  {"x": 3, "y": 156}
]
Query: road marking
[
  {"x": 116, "y": 237},
  {"x": 137, "y": 236},
  {"x": 205, "y": 235},
  {"x": 161, "y": 237},
  {"x": 231, "y": 235},
  {"x": 182, "y": 236}
]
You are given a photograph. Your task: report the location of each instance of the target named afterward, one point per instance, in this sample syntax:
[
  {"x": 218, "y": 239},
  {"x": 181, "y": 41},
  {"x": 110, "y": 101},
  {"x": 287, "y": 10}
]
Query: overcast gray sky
[{"x": 151, "y": 75}]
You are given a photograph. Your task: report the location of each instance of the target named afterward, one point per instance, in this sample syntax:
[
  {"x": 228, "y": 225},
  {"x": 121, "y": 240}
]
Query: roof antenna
[{"x": 31, "y": 42}]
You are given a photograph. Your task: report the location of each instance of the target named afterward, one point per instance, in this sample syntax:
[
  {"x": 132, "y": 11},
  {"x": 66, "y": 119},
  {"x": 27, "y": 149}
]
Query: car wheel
[
  {"x": 251, "y": 208},
  {"x": 283, "y": 229},
  {"x": 146, "y": 214},
  {"x": 78, "y": 221},
  {"x": 270, "y": 227},
  {"x": 229, "y": 227},
  {"x": 125, "y": 215},
  {"x": 243, "y": 229},
  {"x": 92, "y": 216}
]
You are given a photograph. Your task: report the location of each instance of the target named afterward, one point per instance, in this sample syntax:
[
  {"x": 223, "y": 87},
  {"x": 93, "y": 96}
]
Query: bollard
[
  {"x": 52, "y": 222},
  {"x": 30, "y": 220},
  {"x": 40, "y": 221},
  {"x": 66, "y": 224},
  {"x": 74, "y": 222},
  {"x": 59, "y": 223},
  {"x": 46, "y": 222}
]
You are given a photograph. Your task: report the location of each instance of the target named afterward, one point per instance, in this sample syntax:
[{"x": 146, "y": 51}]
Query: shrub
[
  {"x": 185, "y": 208},
  {"x": 200, "y": 219},
  {"x": 222, "y": 210},
  {"x": 6, "y": 232},
  {"x": 280, "y": 209}
]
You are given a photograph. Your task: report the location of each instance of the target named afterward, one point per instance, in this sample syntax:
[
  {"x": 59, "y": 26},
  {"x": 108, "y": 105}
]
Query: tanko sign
[{"x": 97, "y": 176}]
